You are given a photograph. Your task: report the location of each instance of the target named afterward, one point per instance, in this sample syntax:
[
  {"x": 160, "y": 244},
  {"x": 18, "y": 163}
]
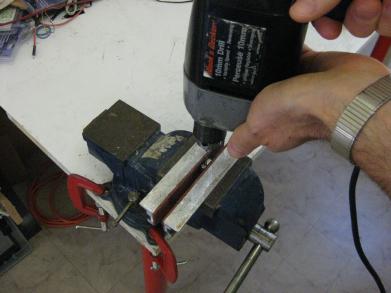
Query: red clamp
[
  {"x": 77, "y": 185},
  {"x": 159, "y": 270}
]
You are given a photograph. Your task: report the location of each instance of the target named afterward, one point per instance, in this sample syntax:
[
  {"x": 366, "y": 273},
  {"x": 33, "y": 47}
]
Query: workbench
[{"x": 119, "y": 49}]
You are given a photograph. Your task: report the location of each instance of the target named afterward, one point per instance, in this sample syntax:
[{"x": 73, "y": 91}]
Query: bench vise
[
  {"x": 165, "y": 181},
  {"x": 140, "y": 155}
]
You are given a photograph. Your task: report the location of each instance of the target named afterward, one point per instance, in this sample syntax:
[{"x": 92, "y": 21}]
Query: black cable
[{"x": 355, "y": 231}]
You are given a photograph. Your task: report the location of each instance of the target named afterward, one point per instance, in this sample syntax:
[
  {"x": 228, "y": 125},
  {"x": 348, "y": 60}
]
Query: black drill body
[
  {"x": 235, "y": 49},
  {"x": 260, "y": 33}
]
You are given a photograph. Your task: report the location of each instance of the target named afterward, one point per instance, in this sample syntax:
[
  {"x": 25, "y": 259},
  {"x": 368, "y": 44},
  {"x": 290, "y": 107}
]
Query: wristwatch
[{"x": 357, "y": 114}]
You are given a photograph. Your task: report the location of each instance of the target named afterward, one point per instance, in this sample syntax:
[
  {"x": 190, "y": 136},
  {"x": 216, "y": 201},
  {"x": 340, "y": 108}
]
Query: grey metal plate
[
  {"x": 160, "y": 194},
  {"x": 200, "y": 191},
  {"x": 212, "y": 203}
]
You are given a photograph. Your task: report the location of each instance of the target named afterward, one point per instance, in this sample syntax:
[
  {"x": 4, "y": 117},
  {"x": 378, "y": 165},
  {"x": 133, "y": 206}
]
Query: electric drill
[{"x": 235, "y": 48}]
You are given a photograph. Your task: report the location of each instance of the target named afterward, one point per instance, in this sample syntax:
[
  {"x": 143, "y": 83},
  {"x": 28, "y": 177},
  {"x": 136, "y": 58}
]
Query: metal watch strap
[{"x": 357, "y": 114}]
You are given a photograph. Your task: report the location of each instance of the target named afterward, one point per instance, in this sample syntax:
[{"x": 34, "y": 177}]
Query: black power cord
[{"x": 355, "y": 230}]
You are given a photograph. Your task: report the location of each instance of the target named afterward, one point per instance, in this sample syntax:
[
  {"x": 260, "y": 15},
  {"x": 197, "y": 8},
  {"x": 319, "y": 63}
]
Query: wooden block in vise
[{"x": 10, "y": 209}]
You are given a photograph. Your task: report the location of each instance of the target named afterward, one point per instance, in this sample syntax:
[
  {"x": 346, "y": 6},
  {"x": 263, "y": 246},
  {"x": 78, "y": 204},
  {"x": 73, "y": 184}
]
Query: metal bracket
[{"x": 103, "y": 225}]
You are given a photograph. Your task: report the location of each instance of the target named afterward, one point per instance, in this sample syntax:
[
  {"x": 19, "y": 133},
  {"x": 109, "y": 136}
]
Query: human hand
[
  {"x": 363, "y": 17},
  {"x": 307, "y": 107}
]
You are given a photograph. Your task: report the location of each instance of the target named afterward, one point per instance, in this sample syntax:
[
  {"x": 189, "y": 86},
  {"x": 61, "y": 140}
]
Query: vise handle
[{"x": 263, "y": 239}]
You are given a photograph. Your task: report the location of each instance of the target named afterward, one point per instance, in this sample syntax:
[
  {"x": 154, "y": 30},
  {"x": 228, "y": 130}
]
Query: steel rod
[{"x": 244, "y": 269}]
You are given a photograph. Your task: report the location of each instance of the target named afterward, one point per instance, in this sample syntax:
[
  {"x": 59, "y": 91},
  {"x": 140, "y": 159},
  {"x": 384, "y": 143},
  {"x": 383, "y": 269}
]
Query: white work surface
[{"x": 120, "y": 49}]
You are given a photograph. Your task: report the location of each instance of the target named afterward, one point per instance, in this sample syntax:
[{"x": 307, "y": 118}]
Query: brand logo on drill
[{"x": 211, "y": 47}]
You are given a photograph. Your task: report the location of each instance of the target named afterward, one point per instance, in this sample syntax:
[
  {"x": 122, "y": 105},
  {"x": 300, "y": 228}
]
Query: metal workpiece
[
  {"x": 164, "y": 195},
  {"x": 263, "y": 239},
  {"x": 199, "y": 192}
]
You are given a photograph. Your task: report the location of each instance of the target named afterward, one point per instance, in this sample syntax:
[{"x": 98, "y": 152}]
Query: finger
[
  {"x": 328, "y": 28},
  {"x": 313, "y": 62},
  {"x": 363, "y": 16},
  {"x": 306, "y": 50},
  {"x": 384, "y": 27},
  {"x": 242, "y": 142},
  {"x": 309, "y": 10},
  {"x": 319, "y": 62}
]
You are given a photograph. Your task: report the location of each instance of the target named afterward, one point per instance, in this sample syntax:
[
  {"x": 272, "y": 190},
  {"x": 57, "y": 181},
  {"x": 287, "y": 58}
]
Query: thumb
[
  {"x": 242, "y": 142},
  {"x": 308, "y": 10}
]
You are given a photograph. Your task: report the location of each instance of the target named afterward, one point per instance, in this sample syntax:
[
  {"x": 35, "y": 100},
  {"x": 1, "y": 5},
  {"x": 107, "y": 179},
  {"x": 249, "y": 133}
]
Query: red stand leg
[
  {"x": 154, "y": 279},
  {"x": 159, "y": 270}
]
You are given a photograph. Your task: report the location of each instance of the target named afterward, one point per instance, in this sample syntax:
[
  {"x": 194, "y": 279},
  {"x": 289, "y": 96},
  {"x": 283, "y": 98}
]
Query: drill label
[{"x": 233, "y": 51}]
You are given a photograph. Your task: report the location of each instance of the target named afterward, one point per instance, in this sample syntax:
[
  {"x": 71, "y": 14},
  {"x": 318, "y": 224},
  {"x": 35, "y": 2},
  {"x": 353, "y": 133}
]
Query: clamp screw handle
[{"x": 272, "y": 225}]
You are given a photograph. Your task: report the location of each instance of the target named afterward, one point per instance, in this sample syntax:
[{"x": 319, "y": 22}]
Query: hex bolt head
[
  {"x": 155, "y": 266},
  {"x": 133, "y": 196}
]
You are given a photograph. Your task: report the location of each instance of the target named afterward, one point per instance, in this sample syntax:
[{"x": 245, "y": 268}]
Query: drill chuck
[{"x": 209, "y": 137}]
